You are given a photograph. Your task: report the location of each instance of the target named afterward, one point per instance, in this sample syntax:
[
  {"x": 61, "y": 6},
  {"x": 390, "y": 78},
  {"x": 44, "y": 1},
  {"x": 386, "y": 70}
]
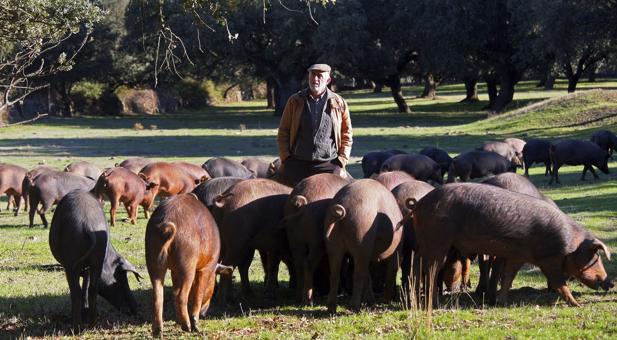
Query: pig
[
  {"x": 406, "y": 194},
  {"x": 304, "y": 216},
  {"x": 439, "y": 156},
  {"x": 361, "y": 220},
  {"x": 274, "y": 169},
  {"x": 182, "y": 236},
  {"x": 134, "y": 164},
  {"x": 393, "y": 178},
  {"x": 258, "y": 166},
  {"x": 245, "y": 227},
  {"x": 420, "y": 167},
  {"x": 196, "y": 172},
  {"x": 121, "y": 185},
  {"x": 49, "y": 188},
  {"x": 577, "y": 152},
  {"x": 79, "y": 240},
  {"x": 489, "y": 266},
  {"x": 85, "y": 169},
  {"x": 483, "y": 219},
  {"x": 518, "y": 145},
  {"x": 475, "y": 164},
  {"x": 537, "y": 151},
  {"x": 606, "y": 140},
  {"x": 207, "y": 191},
  {"x": 372, "y": 161},
  {"x": 11, "y": 178},
  {"x": 501, "y": 148},
  {"x": 27, "y": 182},
  {"x": 166, "y": 179},
  {"x": 221, "y": 166}
]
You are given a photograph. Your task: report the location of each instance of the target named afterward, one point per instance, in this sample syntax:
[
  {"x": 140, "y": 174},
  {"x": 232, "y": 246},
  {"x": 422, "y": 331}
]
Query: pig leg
[
  {"x": 274, "y": 260},
  {"x": 335, "y": 259},
  {"x": 465, "y": 282},
  {"x": 557, "y": 281},
  {"x": 555, "y": 175},
  {"x": 310, "y": 266},
  {"x": 133, "y": 212},
  {"x": 17, "y": 199},
  {"x": 42, "y": 212},
  {"x": 548, "y": 170},
  {"x": 304, "y": 291},
  {"x": 392, "y": 264},
  {"x": 208, "y": 290},
  {"x": 146, "y": 207},
  {"x": 509, "y": 272},
  {"x": 243, "y": 269},
  {"x": 593, "y": 172},
  {"x": 94, "y": 273},
  {"x": 112, "y": 210},
  {"x": 360, "y": 280},
  {"x": 33, "y": 205},
  {"x": 495, "y": 276},
  {"x": 182, "y": 280},
  {"x": 585, "y": 167},
  {"x": 196, "y": 297},
  {"x": 157, "y": 301},
  {"x": 76, "y": 295},
  {"x": 484, "y": 262}
]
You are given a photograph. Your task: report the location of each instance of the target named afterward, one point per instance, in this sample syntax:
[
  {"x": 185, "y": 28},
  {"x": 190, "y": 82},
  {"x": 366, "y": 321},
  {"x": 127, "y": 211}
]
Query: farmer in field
[{"x": 314, "y": 134}]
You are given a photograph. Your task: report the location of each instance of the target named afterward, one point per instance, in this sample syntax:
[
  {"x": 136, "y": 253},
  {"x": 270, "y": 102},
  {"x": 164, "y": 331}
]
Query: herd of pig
[{"x": 334, "y": 234}]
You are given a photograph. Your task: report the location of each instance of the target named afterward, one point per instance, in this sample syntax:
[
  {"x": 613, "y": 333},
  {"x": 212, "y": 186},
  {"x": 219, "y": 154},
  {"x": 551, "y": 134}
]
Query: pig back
[
  {"x": 222, "y": 167},
  {"x": 207, "y": 191}
]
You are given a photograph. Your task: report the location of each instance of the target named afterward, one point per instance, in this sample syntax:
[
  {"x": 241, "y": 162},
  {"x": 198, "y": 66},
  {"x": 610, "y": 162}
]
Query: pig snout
[{"x": 606, "y": 284}]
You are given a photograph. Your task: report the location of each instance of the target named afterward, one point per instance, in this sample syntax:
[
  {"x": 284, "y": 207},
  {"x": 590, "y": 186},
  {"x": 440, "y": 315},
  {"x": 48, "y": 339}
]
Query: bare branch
[{"x": 38, "y": 116}]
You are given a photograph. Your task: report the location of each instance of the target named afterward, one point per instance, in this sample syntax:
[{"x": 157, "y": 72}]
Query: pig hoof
[
  {"x": 186, "y": 328},
  {"x": 157, "y": 333}
]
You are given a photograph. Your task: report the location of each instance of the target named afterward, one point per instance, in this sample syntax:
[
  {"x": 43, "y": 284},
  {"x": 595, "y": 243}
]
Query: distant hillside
[{"x": 577, "y": 111}]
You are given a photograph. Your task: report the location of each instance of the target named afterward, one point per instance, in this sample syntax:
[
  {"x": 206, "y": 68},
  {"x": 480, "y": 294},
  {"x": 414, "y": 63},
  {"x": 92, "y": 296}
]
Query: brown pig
[
  {"x": 482, "y": 219},
  {"x": 303, "y": 222},
  {"x": 392, "y": 179},
  {"x": 195, "y": 171},
  {"x": 120, "y": 185},
  {"x": 182, "y": 236},
  {"x": 85, "y": 169},
  {"x": 27, "y": 182},
  {"x": 362, "y": 221},
  {"x": 248, "y": 215},
  {"x": 166, "y": 179},
  {"x": 11, "y": 177},
  {"x": 134, "y": 164}
]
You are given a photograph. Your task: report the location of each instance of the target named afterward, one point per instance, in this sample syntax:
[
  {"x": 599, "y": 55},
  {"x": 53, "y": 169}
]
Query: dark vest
[{"x": 315, "y": 140}]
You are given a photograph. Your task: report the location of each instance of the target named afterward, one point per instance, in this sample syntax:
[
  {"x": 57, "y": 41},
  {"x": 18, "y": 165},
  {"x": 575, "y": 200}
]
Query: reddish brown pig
[
  {"x": 303, "y": 222},
  {"x": 195, "y": 171},
  {"x": 182, "y": 236},
  {"x": 249, "y": 214},
  {"x": 85, "y": 169},
  {"x": 362, "y": 221},
  {"x": 11, "y": 178},
  {"x": 482, "y": 219},
  {"x": 393, "y": 178},
  {"x": 166, "y": 179},
  {"x": 120, "y": 185},
  {"x": 49, "y": 187},
  {"x": 134, "y": 164}
]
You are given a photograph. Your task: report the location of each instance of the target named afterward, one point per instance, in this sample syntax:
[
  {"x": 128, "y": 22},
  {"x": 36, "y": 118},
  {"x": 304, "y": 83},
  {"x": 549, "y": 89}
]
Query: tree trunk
[
  {"x": 60, "y": 99},
  {"x": 471, "y": 90},
  {"x": 378, "y": 87},
  {"x": 491, "y": 89},
  {"x": 430, "y": 87},
  {"x": 506, "y": 90},
  {"x": 592, "y": 74},
  {"x": 394, "y": 82},
  {"x": 573, "y": 76},
  {"x": 270, "y": 92},
  {"x": 572, "y": 82},
  {"x": 285, "y": 89},
  {"x": 549, "y": 84}
]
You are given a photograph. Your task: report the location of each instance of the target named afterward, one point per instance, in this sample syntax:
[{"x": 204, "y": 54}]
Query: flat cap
[{"x": 319, "y": 68}]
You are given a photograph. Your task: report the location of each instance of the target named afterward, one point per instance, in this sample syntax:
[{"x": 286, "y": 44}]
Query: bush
[
  {"x": 194, "y": 94},
  {"x": 86, "y": 97},
  {"x": 140, "y": 101}
]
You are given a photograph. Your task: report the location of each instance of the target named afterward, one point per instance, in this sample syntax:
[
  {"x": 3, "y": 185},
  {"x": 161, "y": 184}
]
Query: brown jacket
[{"x": 290, "y": 125}]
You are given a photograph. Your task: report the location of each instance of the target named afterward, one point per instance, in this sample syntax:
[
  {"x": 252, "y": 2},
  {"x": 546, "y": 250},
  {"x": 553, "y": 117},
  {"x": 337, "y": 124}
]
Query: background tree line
[{"x": 177, "y": 45}]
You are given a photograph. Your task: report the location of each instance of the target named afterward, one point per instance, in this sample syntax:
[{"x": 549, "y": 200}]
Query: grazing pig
[
  {"x": 303, "y": 222},
  {"x": 362, "y": 221},
  {"x": 393, "y": 178},
  {"x": 221, "y": 166},
  {"x": 518, "y": 145},
  {"x": 503, "y": 149},
  {"x": 134, "y": 164},
  {"x": 439, "y": 156},
  {"x": 476, "y": 164},
  {"x": 182, "y": 236},
  {"x": 537, "y": 151},
  {"x": 274, "y": 168},
  {"x": 420, "y": 167},
  {"x": 606, "y": 140},
  {"x": 249, "y": 214},
  {"x": 258, "y": 166},
  {"x": 195, "y": 171},
  {"x": 517, "y": 183},
  {"x": 406, "y": 193},
  {"x": 11, "y": 178},
  {"x": 166, "y": 179},
  {"x": 85, "y": 169},
  {"x": 207, "y": 191},
  {"x": 79, "y": 241},
  {"x": 483, "y": 219},
  {"x": 27, "y": 182},
  {"x": 49, "y": 187},
  {"x": 577, "y": 152},
  {"x": 372, "y": 161},
  {"x": 120, "y": 185}
]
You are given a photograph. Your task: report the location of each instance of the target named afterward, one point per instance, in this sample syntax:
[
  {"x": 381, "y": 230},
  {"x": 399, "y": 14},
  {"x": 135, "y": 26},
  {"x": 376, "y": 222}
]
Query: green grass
[{"x": 34, "y": 294}]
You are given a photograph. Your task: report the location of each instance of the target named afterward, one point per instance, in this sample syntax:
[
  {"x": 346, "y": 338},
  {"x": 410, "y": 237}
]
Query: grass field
[{"x": 34, "y": 298}]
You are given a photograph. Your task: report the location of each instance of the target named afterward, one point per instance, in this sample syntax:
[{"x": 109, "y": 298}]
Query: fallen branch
[{"x": 26, "y": 121}]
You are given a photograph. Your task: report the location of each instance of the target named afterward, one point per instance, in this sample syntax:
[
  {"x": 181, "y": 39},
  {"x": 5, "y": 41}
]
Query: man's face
[{"x": 318, "y": 81}]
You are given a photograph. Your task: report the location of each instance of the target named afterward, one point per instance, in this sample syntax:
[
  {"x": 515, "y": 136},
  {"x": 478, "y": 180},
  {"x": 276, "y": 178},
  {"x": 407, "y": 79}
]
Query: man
[{"x": 314, "y": 134}]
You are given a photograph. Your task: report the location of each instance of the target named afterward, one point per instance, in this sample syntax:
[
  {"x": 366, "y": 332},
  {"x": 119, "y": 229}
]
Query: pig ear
[
  {"x": 143, "y": 176},
  {"x": 298, "y": 201},
  {"x": 219, "y": 201},
  {"x": 126, "y": 265},
  {"x": 599, "y": 245},
  {"x": 222, "y": 269}
]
